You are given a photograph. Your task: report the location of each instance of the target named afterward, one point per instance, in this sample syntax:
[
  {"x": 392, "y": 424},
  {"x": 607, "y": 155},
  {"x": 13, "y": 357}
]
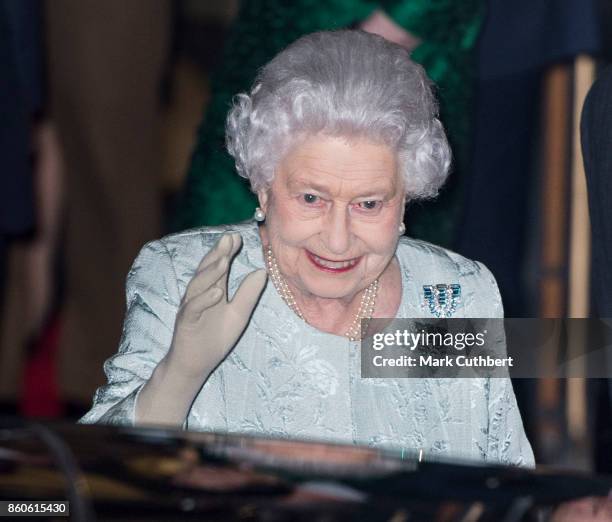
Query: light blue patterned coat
[{"x": 285, "y": 378}]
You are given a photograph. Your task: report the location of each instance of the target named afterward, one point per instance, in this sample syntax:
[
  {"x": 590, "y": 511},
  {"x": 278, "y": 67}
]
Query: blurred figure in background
[
  {"x": 441, "y": 36},
  {"x": 596, "y": 130},
  {"x": 520, "y": 41},
  {"x": 21, "y": 100},
  {"x": 519, "y": 44},
  {"x": 105, "y": 64}
]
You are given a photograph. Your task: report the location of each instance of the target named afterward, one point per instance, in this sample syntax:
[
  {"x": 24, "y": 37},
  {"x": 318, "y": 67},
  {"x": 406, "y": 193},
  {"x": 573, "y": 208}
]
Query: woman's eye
[
  {"x": 370, "y": 205},
  {"x": 310, "y": 198}
]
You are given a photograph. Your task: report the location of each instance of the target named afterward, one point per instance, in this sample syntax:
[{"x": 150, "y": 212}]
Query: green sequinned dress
[{"x": 215, "y": 194}]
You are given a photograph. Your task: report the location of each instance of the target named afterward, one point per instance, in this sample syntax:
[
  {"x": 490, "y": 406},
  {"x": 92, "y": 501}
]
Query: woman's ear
[{"x": 262, "y": 196}]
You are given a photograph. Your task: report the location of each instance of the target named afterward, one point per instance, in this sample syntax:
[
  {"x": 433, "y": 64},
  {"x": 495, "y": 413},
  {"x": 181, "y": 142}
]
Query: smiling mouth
[{"x": 332, "y": 266}]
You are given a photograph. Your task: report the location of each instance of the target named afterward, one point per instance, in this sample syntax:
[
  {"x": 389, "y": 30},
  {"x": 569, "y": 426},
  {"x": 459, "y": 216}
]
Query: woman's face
[{"x": 332, "y": 215}]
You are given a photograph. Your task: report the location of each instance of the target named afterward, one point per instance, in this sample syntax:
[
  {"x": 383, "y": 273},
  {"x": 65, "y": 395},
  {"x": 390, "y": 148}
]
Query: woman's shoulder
[
  {"x": 181, "y": 253},
  {"x": 208, "y": 236},
  {"x": 189, "y": 246},
  {"x": 430, "y": 258},
  {"x": 425, "y": 264}
]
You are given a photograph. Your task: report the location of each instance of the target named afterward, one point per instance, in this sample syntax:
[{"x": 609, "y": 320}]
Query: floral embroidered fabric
[{"x": 286, "y": 379}]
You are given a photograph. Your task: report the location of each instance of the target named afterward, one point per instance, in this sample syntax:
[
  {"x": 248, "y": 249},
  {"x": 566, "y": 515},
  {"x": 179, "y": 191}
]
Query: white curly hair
[{"x": 349, "y": 84}]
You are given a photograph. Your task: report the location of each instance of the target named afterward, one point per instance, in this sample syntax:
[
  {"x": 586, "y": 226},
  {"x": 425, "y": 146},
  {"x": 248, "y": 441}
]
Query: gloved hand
[
  {"x": 207, "y": 324},
  {"x": 206, "y": 329}
]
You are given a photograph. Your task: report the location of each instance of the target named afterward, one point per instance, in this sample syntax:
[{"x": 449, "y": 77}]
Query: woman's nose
[{"x": 337, "y": 230}]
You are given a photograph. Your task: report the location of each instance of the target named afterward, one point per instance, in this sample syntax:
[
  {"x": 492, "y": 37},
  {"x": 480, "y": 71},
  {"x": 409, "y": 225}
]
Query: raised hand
[{"x": 208, "y": 325}]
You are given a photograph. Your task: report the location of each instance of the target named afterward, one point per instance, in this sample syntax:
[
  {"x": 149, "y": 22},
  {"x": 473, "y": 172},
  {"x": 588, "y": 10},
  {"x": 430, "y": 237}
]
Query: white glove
[
  {"x": 206, "y": 329},
  {"x": 207, "y": 324}
]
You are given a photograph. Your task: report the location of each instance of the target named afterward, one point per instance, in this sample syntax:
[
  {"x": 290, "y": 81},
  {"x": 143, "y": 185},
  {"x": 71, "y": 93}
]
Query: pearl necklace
[{"x": 366, "y": 307}]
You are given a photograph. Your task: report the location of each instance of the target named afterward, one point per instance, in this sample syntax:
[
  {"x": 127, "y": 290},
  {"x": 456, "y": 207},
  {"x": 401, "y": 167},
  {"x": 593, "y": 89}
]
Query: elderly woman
[{"x": 338, "y": 133}]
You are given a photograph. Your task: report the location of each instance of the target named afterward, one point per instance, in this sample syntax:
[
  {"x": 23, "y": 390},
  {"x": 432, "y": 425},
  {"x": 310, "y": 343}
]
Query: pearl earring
[
  {"x": 259, "y": 215},
  {"x": 401, "y": 229}
]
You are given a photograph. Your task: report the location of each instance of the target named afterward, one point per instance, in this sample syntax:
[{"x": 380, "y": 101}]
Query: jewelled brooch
[{"x": 441, "y": 300}]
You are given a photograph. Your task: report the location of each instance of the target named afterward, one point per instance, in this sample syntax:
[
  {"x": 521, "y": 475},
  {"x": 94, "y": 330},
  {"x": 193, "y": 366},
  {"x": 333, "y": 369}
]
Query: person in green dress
[{"x": 441, "y": 36}]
